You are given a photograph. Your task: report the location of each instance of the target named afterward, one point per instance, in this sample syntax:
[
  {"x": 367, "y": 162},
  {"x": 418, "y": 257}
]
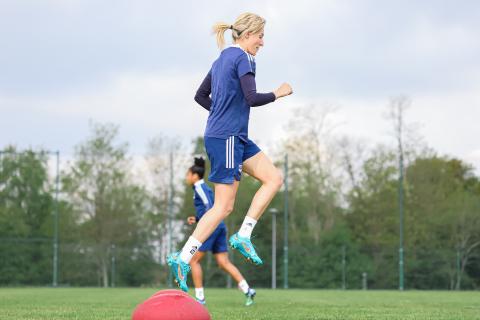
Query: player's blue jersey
[
  {"x": 229, "y": 113},
  {"x": 203, "y": 199}
]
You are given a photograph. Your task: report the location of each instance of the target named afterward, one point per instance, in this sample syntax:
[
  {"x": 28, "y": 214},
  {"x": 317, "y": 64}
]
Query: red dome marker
[{"x": 170, "y": 305}]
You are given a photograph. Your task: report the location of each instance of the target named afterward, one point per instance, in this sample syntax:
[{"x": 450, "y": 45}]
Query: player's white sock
[
  {"x": 189, "y": 249},
  {"x": 243, "y": 286},
  {"x": 199, "y": 294},
  {"x": 247, "y": 227}
]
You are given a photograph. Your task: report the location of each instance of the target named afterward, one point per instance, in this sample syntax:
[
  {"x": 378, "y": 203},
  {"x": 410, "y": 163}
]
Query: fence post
[
  {"x": 55, "y": 224},
  {"x": 274, "y": 211},
  {"x": 113, "y": 266},
  {"x": 457, "y": 264},
  {"x": 170, "y": 218},
  {"x": 344, "y": 285},
  {"x": 285, "y": 231}
]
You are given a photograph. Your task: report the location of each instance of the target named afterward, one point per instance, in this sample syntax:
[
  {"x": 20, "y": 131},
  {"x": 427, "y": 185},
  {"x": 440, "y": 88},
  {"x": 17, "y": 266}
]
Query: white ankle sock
[
  {"x": 243, "y": 286},
  {"x": 247, "y": 227},
  {"x": 199, "y": 294},
  {"x": 189, "y": 249}
]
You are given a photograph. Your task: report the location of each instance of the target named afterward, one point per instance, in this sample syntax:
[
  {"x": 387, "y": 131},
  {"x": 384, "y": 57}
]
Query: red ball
[{"x": 170, "y": 305}]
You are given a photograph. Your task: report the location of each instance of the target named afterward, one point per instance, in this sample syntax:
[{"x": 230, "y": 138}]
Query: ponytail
[
  {"x": 219, "y": 31},
  {"x": 245, "y": 23}
]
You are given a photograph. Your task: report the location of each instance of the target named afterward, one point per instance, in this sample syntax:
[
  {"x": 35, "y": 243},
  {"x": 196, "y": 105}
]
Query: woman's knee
[
  {"x": 226, "y": 208},
  {"x": 276, "y": 179},
  {"x": 225, "y": 199},
  {"x": 229, "y": 208}
]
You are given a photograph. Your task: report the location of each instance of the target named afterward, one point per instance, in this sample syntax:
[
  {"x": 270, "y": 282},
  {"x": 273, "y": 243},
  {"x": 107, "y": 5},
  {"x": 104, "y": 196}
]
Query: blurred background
[{"x": 378, "y": 144}]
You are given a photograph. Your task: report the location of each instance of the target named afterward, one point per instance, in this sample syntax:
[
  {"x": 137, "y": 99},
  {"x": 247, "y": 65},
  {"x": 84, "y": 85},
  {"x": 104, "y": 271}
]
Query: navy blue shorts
[
  {"x": 226, "y": 157},
  {"x": 217, "y": 242}
]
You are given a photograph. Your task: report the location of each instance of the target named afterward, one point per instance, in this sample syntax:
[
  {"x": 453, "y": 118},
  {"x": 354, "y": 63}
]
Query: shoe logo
[
  {"x": 245, "y": 247},
  {"x": 194, "y": 249},
  {"x": 180, "y": 274}
]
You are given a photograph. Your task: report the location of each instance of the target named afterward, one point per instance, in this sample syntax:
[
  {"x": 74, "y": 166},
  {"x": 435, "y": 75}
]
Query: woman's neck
[{"x": 241, "y": 45}]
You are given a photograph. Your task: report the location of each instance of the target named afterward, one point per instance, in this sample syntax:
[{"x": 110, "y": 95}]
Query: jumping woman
[
  {"x": 228, "y": 92},
  {"x": 217, "y": 242}
]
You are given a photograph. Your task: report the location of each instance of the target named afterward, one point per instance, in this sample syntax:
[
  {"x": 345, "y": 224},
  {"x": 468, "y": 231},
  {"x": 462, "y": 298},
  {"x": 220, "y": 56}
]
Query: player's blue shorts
[
  {"x": 226, "y": 157},
  {"x": 217, "y": 242}
]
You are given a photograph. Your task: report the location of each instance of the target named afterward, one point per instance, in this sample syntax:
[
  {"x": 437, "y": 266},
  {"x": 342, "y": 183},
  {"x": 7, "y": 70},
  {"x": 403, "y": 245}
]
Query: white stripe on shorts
[
  {"x": 227, "y": 153},
  {"x": 230, "y": 154},
  {"x": 233, "y": 152}
]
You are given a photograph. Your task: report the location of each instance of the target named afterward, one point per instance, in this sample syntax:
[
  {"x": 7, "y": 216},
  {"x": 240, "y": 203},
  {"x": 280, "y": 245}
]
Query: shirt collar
[
  {"x": 236, "y": 45},
  {"x": 198, "y": 183}
]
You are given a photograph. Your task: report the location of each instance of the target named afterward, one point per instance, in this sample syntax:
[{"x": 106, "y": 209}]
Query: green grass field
[{"x": 90, "y": 303}]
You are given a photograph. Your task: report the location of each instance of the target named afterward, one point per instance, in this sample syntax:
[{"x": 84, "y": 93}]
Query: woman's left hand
[{"x": 191, "y": 220}]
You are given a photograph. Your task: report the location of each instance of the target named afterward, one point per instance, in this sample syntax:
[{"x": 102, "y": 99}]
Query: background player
[{"x": 217, "y": 243}]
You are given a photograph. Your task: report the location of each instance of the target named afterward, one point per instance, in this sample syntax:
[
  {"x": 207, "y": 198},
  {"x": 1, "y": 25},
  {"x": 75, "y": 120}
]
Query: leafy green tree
[
  {"x": 166, "y": 164},
  {"x": 112, "y": 210},
  {"x": 26, "y": 207},
  {"x": 315, "y": 199},
  {"x": 443, "y": 222},
  {"x": 372, "y": 216}
]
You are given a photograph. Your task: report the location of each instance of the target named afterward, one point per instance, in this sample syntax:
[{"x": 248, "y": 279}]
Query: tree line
[{"x": 343, "y": 211}]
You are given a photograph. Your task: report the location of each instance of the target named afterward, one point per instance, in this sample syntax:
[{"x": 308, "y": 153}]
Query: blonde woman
[{"x": 228, "y": 92}]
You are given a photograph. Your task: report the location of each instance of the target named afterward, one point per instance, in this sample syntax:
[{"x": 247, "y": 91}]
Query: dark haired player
[{"x": 217, "y": 243}]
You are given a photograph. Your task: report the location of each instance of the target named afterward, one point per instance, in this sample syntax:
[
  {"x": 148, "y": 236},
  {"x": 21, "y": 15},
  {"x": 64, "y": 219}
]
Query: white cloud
[
  {"x": 139, "y": 64},
  {"x": 154, "y": 101},
  {"x": 473, "y": 158}
]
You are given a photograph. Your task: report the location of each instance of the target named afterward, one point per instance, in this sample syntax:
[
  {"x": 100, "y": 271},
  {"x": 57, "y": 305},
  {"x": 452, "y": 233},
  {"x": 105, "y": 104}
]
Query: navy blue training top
[
  {"x": 203, "y": 200},
  {"x": 230, "y": 110}
]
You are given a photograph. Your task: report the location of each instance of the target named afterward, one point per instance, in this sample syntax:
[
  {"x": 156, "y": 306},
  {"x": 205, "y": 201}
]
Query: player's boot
[
  {"x": 179, "y": 270},
  {"x": 201, "y": 301},
  {"x": 245, "y": 247},
  {"x": 250, "y": 295}
]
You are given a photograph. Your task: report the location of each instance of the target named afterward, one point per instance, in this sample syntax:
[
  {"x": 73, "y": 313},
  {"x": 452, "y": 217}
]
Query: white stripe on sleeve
[{"x": 202, "y": 194}]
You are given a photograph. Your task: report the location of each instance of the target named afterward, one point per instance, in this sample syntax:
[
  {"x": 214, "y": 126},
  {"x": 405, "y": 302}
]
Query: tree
[
  {"x": 26, "y": 207},
  {"x": 315, "y": 197},
  {"x": 371, "y": 218},
  {"x": 111, "y": 208},
  {"x": 444, "y": 221},
  {"x": 166, "y": 165},
  {"x": 314, "y": 182}
]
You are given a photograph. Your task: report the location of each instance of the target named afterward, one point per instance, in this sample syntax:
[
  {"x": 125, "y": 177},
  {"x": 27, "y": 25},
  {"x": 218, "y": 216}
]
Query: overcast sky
[{"x": 138, "y": 64}]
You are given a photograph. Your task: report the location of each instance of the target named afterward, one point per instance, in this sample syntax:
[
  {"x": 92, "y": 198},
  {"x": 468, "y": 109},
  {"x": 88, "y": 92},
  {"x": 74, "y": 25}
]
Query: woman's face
[
  {"x": 189, "y": 179},
  {"x": 253, "y": 42}
]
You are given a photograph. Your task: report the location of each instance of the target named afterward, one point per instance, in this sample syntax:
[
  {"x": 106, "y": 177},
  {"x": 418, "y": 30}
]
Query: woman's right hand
[
  {"x": 284, "y": 90},
  {"x": 191, "y": 220}
]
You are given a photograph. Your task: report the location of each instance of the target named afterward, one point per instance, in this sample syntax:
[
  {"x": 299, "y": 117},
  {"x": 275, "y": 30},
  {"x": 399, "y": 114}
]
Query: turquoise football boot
[
  {"x": 245, "y": 247},
  {"x": 179, "y": 270}
]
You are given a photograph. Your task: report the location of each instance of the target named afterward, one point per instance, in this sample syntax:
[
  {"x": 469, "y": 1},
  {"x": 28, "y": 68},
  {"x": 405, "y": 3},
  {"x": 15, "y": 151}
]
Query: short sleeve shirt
[{"x": 230, "y": 112}]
